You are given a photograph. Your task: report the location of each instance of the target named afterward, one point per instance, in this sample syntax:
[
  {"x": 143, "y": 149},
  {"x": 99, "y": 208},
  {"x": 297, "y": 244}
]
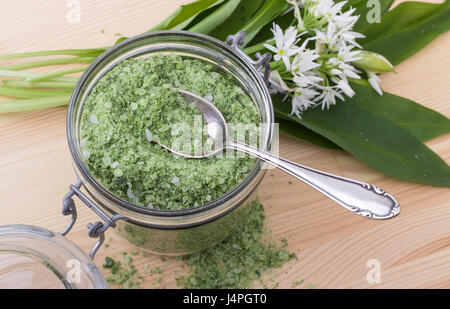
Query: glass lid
[{"x": 35, "y": 258}]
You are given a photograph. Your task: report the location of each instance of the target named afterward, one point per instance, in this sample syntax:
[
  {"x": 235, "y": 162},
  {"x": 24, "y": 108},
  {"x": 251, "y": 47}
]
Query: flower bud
[{"x": 373, "y": 62}]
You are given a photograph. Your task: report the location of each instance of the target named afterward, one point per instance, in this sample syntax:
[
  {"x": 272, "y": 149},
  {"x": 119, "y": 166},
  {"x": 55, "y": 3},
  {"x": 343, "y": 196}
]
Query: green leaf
[
  {"x": 265, "y": 34},
  {"x": 268, "y": 12},
  {"x": 418, "y": 120},
  {"x": 216, "y": 18},
  {"x": 406, "y": 29},
  {"x": 241, "y": 15},
  {"x": 421, "y": 122},
  {"x": 298, "y": 131},
  {"x": 184, "y": 14},
  {"x": 377, "y": 141}
]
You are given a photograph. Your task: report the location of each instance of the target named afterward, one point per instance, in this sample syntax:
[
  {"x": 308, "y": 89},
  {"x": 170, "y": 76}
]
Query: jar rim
[{"x": 81, "y": 166}]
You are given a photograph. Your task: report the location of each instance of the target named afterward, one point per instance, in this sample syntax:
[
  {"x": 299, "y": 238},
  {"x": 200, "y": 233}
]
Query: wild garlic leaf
[
  {"x": 406, "y": 29},
  {"x": 241, "y": 15},
  {"x": 216, "y": 18},
  {"x": 376, "y": 140},
  {"x": 296, "y": 130},
  {"x": 185, "y": 13},
  {"x": 420, "y": 121},
  {"x": 268, "y": 12},
  {"x": 265, "y": 34}
]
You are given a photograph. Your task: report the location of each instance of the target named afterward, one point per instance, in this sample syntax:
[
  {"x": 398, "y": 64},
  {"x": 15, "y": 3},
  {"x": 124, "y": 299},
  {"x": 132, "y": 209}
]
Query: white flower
[
  {"x": 284, "y": 44},
  {"x": 303, "y": 99},
  {"x": 329, "y": 9},
  {"x": 346, "y": 54},
  {"x": 323, "y": 65},
  {"x": 328, "y": 96},
  {"x": 305, "y": 80},
  {"x": 304, "y": 60},
  {"x": 345, "y": 87},
  {"x": 297, "y": 15},
  {"x": 346, "y": 36},
  {"x": 342, "y": 68},
  {"x": 374, "y": 82},
  {"x": 331, "y": 37},
  {"x": 351, "y": 36},
  {"x": 345, "y": 20}
]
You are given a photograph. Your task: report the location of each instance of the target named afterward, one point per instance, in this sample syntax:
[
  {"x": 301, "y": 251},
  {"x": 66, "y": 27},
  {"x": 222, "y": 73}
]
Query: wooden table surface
[{"x": 333, "y": 246}]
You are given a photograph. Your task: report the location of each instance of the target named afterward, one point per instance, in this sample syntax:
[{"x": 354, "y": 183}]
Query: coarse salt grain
[
  {"x": 148, "y": 135},
  {"x": 209, "y": 97},
  {"x": 130, "y": 194},
  {"x": 86, "y": 154},
  {"x": 93, "y": 119}
]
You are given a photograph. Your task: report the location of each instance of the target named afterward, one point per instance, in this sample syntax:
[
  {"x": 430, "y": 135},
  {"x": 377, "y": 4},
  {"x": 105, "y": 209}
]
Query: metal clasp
[
  {"x": 96, "y": 230},
  {"x": 262, "y": 62}
]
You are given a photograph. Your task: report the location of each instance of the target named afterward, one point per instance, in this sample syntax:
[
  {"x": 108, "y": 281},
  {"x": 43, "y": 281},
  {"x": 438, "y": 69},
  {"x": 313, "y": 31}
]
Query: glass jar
[
  {"x": 33, "y": 257},
  {"x": 173, "y": 232}
]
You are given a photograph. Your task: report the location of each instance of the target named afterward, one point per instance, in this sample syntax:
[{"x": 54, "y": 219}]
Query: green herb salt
[
  {"x": 240, "y": 259},
  {"x": 120, "y": 275},
  {"x": 133, "y": 104},
  {"x": 236, "y": 262}
]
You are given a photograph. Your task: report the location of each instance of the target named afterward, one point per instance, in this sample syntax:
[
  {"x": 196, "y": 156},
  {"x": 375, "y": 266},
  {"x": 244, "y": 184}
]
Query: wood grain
[{"x": 333, "y": 246}]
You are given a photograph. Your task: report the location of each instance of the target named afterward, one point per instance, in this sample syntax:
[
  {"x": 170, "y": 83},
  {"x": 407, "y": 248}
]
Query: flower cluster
[{"x": 315, "y": 59}]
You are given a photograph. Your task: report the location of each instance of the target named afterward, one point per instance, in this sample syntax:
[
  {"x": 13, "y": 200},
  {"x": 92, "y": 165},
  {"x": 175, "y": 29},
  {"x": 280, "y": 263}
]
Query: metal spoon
[{"x": 359, "y": 197}]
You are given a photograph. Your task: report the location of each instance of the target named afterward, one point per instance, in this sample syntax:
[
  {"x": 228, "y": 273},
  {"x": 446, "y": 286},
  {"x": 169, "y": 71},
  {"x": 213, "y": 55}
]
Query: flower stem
[
  {"x": 72, "y": 52},
  {"x": 254, "y": 48},
  {"x": 43, "y": 84},
  {"x": 33, "y": 104},
  {"x": 29, "y": 93},
  {"x": 49, "y": 62},
  {"x": 27, "y": 75},
  {"x": 55, "y": 74}
]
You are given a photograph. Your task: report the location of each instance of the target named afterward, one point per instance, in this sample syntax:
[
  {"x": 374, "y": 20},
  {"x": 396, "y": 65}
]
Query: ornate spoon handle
[{"x": 359, "y": 197}]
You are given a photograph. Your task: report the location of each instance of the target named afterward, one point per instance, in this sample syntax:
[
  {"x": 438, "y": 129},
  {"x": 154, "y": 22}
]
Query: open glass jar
[
  {"x": 33, "y": 257},
  {"x": 172, "y": 232}
]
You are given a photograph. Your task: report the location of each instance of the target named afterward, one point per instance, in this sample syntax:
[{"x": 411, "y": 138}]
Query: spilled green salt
[{"x": 238, "y": 261}]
